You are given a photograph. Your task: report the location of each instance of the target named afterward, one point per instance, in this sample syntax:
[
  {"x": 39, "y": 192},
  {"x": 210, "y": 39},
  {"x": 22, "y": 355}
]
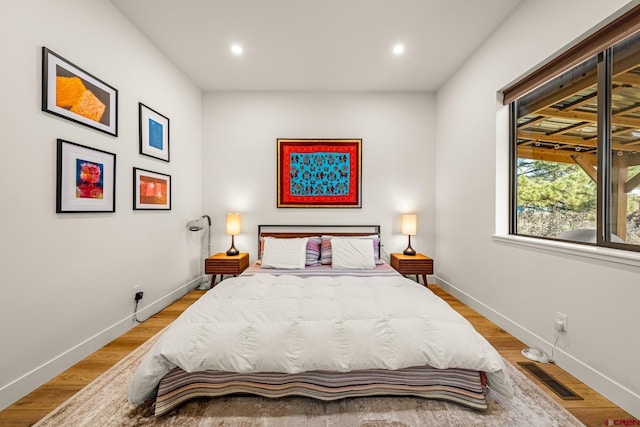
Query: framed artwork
[
  {"x": 319, "y": 173},
  {"x": 86, "y": 179},
  {"x": 70, "y": 92},
  {"x": 154, "y": 133},
  {"x": 151, "y": 190}
]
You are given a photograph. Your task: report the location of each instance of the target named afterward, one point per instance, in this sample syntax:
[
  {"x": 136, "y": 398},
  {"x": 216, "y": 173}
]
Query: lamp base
[
  {"x": 409, "y": 251},
  {"x": 232, "y": 250}
]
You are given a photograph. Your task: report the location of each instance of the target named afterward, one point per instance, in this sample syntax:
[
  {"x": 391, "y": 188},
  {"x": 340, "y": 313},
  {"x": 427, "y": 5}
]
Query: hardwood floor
[{"x": 592, "y": 411}]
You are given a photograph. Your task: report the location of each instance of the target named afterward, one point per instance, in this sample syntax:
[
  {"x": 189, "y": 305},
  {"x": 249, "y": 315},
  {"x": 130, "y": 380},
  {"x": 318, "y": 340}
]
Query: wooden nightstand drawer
[
  {"x": 418, "y": 265},
  {"x": 222, "y": 264}
]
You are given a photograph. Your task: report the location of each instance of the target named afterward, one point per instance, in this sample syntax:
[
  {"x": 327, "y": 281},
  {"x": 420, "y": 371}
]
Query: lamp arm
[
  {"x": 208, "y": 234},
  {"x": 209, "y": 240}
]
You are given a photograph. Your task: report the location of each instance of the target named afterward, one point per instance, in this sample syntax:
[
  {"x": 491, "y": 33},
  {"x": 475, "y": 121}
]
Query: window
[
  {"x": 575, "y": 143},
  {"x": 556, "y": 155},
  {"x": 623, "y": 159}
]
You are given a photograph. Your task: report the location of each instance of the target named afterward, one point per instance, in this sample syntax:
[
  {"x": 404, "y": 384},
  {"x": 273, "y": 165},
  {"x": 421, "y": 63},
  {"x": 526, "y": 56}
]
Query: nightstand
[
  {"x": 418, "y": 265},
  {"x": 222, "y": 264}
]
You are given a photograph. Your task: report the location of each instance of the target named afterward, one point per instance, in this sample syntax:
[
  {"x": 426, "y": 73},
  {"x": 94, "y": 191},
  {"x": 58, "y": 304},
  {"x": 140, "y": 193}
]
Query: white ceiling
[{"x": 328, "y": 45}]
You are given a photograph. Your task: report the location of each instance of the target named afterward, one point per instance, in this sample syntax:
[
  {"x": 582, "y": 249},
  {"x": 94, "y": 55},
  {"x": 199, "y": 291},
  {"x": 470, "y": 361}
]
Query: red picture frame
[{"x": 319, "y": 173}]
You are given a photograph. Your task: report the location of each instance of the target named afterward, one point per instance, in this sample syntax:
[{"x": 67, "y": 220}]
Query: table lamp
[
  {"x": 409, "y": 228},
  {"x": 233, "y": 228}
]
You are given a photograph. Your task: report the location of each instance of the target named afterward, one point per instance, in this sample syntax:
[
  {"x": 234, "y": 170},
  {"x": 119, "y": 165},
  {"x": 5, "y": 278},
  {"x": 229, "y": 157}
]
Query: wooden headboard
[{"x": 292, "y": 231}]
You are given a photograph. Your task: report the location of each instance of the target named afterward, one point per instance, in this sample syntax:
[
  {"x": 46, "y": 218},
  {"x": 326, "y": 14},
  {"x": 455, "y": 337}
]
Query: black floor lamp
[{"x": 197, "y": 225}]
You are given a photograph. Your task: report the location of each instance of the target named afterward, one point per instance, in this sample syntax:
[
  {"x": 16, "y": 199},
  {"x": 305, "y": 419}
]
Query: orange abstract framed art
[
  {"x": 151, "y": 190},
  {"x": 72, "y": 93}
]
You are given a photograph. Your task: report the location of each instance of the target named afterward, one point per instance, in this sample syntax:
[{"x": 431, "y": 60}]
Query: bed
[{"x": 333, "y": 323}]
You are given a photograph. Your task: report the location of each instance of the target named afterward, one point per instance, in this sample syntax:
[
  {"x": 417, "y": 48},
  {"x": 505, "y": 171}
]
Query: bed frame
[{"x": 293, "y": 231}]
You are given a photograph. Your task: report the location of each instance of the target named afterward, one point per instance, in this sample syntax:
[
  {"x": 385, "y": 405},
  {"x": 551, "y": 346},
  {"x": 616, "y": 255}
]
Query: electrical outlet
[
  {"x": 560, "y": 322},
  {"x": 137, "y": 293}
]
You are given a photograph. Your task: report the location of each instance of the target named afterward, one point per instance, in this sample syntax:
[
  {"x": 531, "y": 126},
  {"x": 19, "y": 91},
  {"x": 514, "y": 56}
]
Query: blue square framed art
[{"x": 154, "y": 133}]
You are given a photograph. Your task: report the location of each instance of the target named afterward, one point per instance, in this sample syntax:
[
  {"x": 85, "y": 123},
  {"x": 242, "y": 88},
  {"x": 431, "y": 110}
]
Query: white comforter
[{"x": 268, "y": 323}]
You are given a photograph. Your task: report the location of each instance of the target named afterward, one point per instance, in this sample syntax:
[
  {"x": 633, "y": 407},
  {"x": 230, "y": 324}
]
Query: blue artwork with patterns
[
  {"x": 319, "y": 174},
  {"x": 155, "y": 134}
]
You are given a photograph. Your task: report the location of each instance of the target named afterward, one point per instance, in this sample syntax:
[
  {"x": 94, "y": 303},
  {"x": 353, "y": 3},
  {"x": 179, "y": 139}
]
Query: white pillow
[
  {"x": 284, "y": 253},
  {"x": 356, "y": 253}
]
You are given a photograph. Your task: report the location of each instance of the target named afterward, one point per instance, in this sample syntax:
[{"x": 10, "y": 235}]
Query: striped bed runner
[{"x": 461, "y": 386}]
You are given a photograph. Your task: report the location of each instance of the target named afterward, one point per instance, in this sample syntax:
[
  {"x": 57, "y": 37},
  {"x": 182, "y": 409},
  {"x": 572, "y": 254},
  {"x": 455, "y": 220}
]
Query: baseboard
[
  {"x": 28, "y": 382},
  {"x": 612, "y": 390}
]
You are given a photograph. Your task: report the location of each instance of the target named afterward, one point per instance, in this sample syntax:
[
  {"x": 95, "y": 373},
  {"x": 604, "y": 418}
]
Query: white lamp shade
[
  {"x": 409, "y": 224},
  {"x": 233, "y": 224}
]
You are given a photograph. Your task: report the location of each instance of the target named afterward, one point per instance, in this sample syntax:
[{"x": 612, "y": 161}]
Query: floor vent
[{"x": 556, "y": 386}]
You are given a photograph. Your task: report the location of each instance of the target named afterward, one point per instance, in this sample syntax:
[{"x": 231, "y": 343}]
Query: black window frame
[{"x": 604, "y": 73}]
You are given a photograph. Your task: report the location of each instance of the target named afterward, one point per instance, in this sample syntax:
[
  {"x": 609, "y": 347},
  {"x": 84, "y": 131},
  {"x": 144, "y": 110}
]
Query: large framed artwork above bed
[
  {"x": 319, "y": 173},
  {"x": 320, "y": 315}
]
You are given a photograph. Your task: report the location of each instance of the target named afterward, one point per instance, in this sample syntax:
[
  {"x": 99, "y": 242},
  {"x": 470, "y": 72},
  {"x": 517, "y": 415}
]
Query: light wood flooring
[{"x": 592, "y": 411}]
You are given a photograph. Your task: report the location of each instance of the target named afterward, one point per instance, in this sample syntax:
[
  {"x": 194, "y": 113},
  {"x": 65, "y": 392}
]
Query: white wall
[
  {"x": 240, "y": 130},
  {"x": 521, "y": 288},
  {"x": 66, "y": 280}
]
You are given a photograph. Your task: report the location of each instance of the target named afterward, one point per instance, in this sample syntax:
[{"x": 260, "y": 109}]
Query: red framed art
[
  {"x": 319, "y": 173},
  {"x": 151, "y": 190}
]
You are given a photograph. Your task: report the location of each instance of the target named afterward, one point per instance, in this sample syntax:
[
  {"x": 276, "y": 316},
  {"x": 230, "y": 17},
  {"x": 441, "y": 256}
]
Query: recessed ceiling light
[
  {"x": 236, "y": 49},
  {"x": 398, "y": 49}
]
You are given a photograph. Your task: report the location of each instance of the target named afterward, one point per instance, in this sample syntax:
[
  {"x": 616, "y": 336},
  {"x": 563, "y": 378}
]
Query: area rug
[{"x": 104, "y": 403}]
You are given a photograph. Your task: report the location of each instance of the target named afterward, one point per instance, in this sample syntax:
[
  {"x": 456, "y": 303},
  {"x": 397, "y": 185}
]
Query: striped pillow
[
  {"x": 325, "y": 250},
  {"x": 313, "y": 251},
  {"x": 376, "y": 251}
]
